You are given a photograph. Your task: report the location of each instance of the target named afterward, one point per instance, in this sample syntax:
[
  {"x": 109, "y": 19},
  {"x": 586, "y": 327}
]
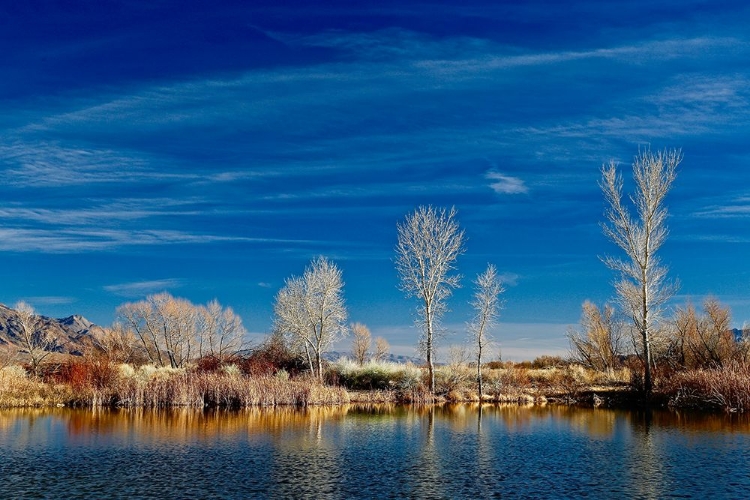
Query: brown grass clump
[
  {"x": 373, "y": 397},
  {"x": 17, "y": 389},
  {"x": 94, "y": 384},
  {"x": 726, "y": 388},
  {"x": 226, "y": 388}
]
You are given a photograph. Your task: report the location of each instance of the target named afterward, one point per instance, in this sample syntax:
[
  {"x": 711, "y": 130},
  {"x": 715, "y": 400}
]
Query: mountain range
[{"x": 74, "y": 334}]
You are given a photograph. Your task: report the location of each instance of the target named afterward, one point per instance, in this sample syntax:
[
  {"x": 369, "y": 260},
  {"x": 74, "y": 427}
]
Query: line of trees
[
  {"x": 362, "y": 345},
  {"x": 173, "y": 331}
]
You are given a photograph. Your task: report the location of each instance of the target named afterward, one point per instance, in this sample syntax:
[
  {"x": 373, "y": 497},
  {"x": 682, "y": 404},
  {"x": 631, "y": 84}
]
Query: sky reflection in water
[{"x": 384, "y": 452}]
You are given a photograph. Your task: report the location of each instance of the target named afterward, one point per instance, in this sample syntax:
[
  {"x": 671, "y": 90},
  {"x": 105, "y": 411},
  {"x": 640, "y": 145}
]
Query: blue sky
[{"x": 211, "y": 149}]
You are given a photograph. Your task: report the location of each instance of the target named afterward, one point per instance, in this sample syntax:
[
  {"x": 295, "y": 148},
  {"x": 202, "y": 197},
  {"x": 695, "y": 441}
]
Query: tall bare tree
[
  {"x": 643, "y": 288},
  {"x": 601, "y": 343},
  {"x": 310, "y": 310},
  {"x": 35, "y": 340},
  {"x": 486, "y": 303},
  {"x": 361, "y": 343},
  {"x": 429, "y": 242}
]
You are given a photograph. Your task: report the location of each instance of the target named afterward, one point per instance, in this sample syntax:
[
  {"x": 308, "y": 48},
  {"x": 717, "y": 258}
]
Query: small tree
[
  {"x": 34, "y": 339},
  {"x": 601, "y": 344},
  {"x": 165, "y": 326},
  {"x": 429, "y": 242},
  {"x": 220, "y": 331},
  {"x": 119, "y": 344},
  {"x": 642, "y": 288},
  {"x": 382, "y": 349},
  {"x": 361, "y": 343},
  {"x": 311, "y": 311},
  {"x": 486, "y": 303}
]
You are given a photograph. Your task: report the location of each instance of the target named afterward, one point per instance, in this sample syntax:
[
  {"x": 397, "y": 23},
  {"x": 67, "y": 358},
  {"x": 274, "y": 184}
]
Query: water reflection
[{"x": 374, "y": 451}]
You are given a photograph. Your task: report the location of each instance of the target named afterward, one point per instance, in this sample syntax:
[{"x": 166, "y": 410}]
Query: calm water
[{"x": 388, "y": 452}]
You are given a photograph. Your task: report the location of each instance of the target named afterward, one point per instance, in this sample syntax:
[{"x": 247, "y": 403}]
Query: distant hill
[
  {"x": 391, "y": 358},
  {"x": 737, "y": 334},
  {"x": 74, "y": 333}
]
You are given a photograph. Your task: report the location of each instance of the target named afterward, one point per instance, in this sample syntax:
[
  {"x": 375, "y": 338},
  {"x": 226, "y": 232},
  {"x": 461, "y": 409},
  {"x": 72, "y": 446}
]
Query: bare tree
[
  {"x": 220, "y": 331},
  {"x": 642, "y": 288},
  {"x": 486, "y": 303},
  {"x": 165, "y": 326},
  {"x": 429, "y": 242},
  {"x": 291, "y": 321},
  {"x": 361, "y": 343},
  {"x": 382, "y": 349},
  {"x": 602, "y": 342},
  {"x": 34, "y": 339},
  {"x": 311, "y": 311},
  {"x": 119, "y": 344}
]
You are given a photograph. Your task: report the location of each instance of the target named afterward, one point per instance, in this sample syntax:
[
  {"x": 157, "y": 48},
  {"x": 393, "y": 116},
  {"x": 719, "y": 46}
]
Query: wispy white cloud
[
  {"x": 89, "y": 240},
  {"x": 30, "y": 162},
  {"x": 141, "y": 288},
  {"x": 739, "y": 207},
  {"x": 505, "y": 184},
  {"x": 100, "y": 213},
  {"x": 50, "y": 300}
]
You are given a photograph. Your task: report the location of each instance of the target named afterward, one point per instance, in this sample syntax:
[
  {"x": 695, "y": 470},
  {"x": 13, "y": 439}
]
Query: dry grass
[
  {"x": 18, "y": 390},
  {"x": 151, "y": 387},
  {"x": 726, "y": 388},
  {"x": 97, "y": 383}
]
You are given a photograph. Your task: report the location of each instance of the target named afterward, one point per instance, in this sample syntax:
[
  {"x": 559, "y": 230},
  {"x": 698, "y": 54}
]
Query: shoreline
[{"x": 126, "y": 386}]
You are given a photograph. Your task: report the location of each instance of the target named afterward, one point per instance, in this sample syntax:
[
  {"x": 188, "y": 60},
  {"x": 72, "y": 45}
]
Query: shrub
[
  {"x": 403, "y": 379},
  {"x": 453, "y": 379},
  {"x": 208, "y": 364},
  {"x": 726, "y": 388},
  {"x": 270, "y": 357},
  {"x": 542, "y": 362}
]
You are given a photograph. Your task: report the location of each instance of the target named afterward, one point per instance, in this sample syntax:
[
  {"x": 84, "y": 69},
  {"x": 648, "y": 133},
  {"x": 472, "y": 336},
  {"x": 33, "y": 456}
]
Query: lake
[{"x": 460, "y": 451}]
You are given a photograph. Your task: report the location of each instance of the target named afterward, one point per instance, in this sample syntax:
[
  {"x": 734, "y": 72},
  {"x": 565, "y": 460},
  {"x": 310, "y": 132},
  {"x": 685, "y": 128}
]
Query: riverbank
[{"x": 100, "y": 384}]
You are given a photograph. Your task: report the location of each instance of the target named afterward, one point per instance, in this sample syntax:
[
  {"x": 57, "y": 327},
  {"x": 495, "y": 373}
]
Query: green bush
[{"x": 373, "y": 375}]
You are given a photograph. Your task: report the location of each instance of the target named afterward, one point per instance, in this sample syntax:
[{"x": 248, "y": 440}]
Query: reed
[
  {"x": 726, "y": 388},
  {"x": 19, "y": 390},
  {"x": 151, "y": 387}
]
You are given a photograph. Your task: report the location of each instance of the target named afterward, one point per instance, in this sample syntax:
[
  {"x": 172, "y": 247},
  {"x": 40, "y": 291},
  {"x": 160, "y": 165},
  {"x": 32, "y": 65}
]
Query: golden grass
[
  {"x": 18, "y": 390},
  {"x": 103, "y": 385},
  {"x": 151, "y": 387},
  {"x": 726, "y": 388}
]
